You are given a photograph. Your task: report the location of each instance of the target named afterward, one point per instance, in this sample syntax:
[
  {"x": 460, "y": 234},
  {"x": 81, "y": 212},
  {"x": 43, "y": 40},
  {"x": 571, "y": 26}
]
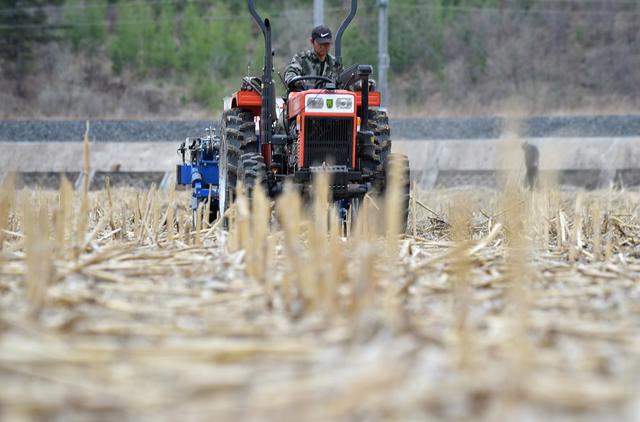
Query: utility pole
[
  {"x": 318, "y": 12},
  {"x": 383, "y": 50}
]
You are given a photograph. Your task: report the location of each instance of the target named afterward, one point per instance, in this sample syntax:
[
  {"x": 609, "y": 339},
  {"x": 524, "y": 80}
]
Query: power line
[
  {"x": 105, "y": 5},
  {"x": 592, "y": 2},
  {"x": 136, "y": 20},
  {"x": 532, "y": 11},
  {"x": 586, "y": 2},
  {"x": 125, "y": 21}
]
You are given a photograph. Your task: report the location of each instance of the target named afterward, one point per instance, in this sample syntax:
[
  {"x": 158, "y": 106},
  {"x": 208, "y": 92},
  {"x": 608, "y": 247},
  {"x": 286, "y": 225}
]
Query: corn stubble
[{"x": 495, "y": 304}]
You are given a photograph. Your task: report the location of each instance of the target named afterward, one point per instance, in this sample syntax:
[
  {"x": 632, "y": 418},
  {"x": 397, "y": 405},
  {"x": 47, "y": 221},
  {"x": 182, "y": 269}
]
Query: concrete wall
[
  {"x": 473, "y": 154},
  {"x": 496, "y": 154},
  {"x": 580, "y": 162},
  {"x": 433, "y": 162},
  {"x": 105, "y": 156}
]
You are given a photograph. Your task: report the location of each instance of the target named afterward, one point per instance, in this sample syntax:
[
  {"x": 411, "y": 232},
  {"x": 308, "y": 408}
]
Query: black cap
[{"x": 322, "y": 34}]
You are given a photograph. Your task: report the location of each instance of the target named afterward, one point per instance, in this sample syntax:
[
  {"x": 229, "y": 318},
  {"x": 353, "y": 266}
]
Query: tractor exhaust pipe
[
  {"x": 268, "y": 90},
  {"x": 343, "y": 26}
]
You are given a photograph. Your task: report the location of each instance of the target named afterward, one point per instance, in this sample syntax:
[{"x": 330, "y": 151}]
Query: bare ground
[{"x": 517, "y": 322}]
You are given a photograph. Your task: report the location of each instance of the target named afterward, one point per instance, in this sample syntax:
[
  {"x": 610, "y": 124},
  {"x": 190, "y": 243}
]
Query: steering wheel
[{"x": 291, "y": 86}]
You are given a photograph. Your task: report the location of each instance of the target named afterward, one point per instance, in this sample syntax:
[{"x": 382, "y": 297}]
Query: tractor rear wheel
[{"x": 238, "y": 136}]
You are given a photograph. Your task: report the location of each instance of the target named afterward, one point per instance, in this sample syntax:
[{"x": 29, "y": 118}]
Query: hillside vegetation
[{"x": 156, "y": 58}]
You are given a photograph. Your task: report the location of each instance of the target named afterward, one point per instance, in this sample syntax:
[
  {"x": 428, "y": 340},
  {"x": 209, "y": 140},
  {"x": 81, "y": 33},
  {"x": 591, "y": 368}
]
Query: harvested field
[{"x": 493, "y": 306}]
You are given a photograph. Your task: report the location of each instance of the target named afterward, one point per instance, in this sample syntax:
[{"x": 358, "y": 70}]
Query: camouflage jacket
[{"x": 307, "y": 63}]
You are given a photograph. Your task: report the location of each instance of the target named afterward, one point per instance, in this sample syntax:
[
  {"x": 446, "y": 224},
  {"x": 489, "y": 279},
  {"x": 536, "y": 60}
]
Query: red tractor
[{"x": 335, "y": 127}]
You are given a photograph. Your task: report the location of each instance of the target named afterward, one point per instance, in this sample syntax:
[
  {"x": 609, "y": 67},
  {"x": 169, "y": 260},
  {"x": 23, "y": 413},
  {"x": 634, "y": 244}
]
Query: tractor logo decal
[{"x": 329, "y": 103}]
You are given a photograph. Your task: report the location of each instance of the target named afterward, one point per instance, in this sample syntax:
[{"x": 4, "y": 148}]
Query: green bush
[
  {"x": 85, "y": 23},
  {"x": 193, "y": 51},
  {"x": 208, "y": 92},
  {"x": 134, "y": 35},
  {"x": 162, "y": 47},
  {"x": 207, "y": 44}
]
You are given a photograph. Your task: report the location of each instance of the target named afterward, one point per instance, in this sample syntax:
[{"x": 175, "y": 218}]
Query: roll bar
[
  {"x": 268, "y": 112},
  {"x": 256, "y": 16},
  {"x": 343, "y": 26}
]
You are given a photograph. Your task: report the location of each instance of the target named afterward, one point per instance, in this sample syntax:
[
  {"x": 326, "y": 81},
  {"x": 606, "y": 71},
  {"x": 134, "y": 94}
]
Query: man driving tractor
[{"x": 315, "y": 62}]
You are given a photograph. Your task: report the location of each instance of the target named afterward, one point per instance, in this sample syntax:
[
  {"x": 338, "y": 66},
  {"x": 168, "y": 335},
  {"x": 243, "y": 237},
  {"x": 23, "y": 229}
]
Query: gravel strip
[{"x": 406, "y": 128}]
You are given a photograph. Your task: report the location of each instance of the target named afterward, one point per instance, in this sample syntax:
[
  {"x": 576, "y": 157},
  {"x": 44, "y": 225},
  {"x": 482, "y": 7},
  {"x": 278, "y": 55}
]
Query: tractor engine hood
[{"x": 320, "y": 101}]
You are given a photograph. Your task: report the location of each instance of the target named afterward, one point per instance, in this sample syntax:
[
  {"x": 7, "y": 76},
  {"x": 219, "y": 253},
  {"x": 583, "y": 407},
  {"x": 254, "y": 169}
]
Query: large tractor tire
[
  {"x": 402, "y": 162},
  {"x": 238, "y": 136},
  {"x": 374, "y": 157},
  {"x": 379, "y": 124},
  {"x": 252, "y": 172},
  {"x": 369, "y": 159}
]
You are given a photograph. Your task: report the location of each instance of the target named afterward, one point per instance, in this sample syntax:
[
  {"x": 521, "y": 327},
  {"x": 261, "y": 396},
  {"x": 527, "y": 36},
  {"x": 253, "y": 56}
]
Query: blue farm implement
[{"x": 200, "y": 169}]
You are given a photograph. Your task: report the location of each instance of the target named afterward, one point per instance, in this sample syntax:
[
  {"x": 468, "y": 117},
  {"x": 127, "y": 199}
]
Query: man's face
[{"x": 321, "y": 49}]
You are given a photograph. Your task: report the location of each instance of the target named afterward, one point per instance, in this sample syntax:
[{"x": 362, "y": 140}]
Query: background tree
[
  {"x": 85, "y": 26},
  {"x": 23, "y": 24}
]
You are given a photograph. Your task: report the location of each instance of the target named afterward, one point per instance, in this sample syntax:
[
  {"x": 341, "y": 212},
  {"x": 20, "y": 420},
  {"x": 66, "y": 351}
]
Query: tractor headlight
[
  {"x": 315, "y": 103},
  {"x": 344, "y": 103}
]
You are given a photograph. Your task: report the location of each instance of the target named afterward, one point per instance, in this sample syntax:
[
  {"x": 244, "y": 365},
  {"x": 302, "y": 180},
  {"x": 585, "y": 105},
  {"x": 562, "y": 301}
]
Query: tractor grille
[{"x": 328, "y": 140}]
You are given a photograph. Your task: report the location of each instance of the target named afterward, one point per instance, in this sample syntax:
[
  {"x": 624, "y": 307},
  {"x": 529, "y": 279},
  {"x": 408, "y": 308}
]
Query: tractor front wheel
[
  {"x": 252, "y": 172},
  {"x": 375, "y": 156},
  {"x": 379, "y": 123}
]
